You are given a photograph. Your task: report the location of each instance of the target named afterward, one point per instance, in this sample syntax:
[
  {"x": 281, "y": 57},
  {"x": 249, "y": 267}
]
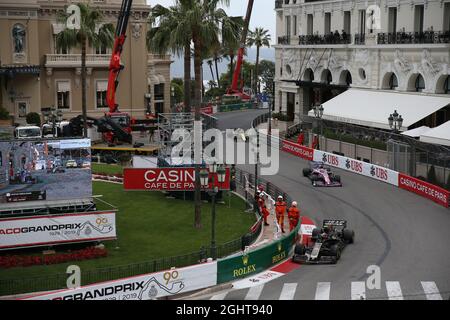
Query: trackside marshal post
[{"x": 166, "y": 179}]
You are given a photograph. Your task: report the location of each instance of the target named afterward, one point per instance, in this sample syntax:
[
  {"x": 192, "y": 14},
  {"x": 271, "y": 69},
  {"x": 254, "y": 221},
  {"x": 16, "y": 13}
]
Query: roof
[
  {"x": 439, "y": 135},
  {"x": 372, "y": 108},
  {"x": 417, "y": 132}
]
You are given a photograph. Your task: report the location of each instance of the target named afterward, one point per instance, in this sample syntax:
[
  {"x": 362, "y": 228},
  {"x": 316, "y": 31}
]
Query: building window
[
  {"x": 60, "y": 50},
  {"x": 159, "y": 92},
  {"x": 101, "y": 50},
  {"x": 295, "y": 25},
  {"x": 309, "y": 25},
  {"x": 362, "y": 21},
  {"x": 447, "y": 85},
  {"x": 393, "y": 82},
  {"x": 63, "y": 94},
  {"x": 327, "y": 22},
  {"x": 418, "y": 18},
  {"x": 22, "y": 109},
  {"x": 347, "y": 22},
  {"x": 446, "y": 17},
  {"x": 288, "y": 26},
  {"x": 392, "y": 23},
  {"x": 420, "y": 83},
  {"x": 100, "y": 94}
]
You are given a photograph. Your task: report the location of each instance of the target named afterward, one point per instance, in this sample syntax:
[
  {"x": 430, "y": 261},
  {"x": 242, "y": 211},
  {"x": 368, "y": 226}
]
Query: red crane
[
  {"x": 234, "y": 90},
  {"x": 120, "y": 121}
]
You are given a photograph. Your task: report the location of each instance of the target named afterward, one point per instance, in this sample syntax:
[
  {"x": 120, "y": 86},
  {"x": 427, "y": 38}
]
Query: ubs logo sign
[
  {"x": 379, "y": 173},
  {"x": 353, "y": 165},
  {"x": 330, "y": 159}
]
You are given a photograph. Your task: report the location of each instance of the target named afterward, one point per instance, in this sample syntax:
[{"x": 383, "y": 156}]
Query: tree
[
  {"x": 259, "y": 38},
  {"x": 93, "y": 33},
  {"x": 4, "y": 114},
  {"x": 33, "y": 118},
  {"x": 172, "y": 33},
  {"x": 267, "y": 71},
  {"x": 178, "y": 90}
]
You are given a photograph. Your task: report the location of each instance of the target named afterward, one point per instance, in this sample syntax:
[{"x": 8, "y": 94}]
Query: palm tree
[
  {"x": 259, "y": 38},
  {"x": 172, "y": 33},
  {"x": 210, "y": 63},
  {"x": 91, "y": 32}
]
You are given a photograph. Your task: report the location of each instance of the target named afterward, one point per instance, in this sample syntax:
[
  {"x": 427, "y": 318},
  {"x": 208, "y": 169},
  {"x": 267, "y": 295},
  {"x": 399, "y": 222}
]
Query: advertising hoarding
[
  {"x": 297, "y": 150},
  {"x": 424, "y": 189},
  {"x": 39, "y": 170},
  {"x": 144, "y": 287},
  {"x": 56, "y": 229},
  {"x": 166, "y": 179}
]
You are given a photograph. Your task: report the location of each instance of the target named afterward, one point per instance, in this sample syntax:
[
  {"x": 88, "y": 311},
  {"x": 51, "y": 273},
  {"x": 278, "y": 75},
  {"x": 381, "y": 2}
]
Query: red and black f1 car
[
  {"x": 321, "y": 175},
  {"x": 326, "y": 243}
]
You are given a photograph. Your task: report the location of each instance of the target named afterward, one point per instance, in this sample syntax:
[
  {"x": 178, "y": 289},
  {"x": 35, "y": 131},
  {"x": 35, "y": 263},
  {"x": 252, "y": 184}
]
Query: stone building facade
[{"x": 35, "y": 75}]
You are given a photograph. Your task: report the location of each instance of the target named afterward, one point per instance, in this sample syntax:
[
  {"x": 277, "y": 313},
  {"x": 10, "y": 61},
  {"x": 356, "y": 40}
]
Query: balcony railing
[
  {"x": 360, "y": 38},
  {"x": 325, "y": 39},
  {"x": 433, "y": 37},
  {"x": 284, "y": 40},
  {"x": 74, "y": 60},
  {"x": 160, "y": 57}
]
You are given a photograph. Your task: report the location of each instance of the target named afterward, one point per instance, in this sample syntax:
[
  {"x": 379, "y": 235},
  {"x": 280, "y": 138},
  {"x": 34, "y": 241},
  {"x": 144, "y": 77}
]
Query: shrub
[
  {"x": 4, "y": 114},
  {"x": 34, "y": 118},
  {"x": 447, "y": 185}
]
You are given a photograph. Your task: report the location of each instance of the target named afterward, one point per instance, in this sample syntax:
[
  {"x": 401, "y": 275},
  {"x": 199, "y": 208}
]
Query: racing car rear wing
[{"x": 335, "y": 223}]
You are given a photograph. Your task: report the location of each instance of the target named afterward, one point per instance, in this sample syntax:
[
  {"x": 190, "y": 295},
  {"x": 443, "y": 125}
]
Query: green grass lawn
[
  {"x": 106, "y": 168},
  {"x": 150, "y": 226}
]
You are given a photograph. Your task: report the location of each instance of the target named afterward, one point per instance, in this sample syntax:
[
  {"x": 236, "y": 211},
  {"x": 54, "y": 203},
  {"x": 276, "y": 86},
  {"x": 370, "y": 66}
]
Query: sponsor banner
[
  {"x": 207, "y": 110},
  {"x": 143, "y": 287},
  {"x": 297, "y": 150},
  {"x": 257, "y": 261},
  {"x": 38, "y": 231},
  {"x": 167, "y": 179},
  {"x": 25, "y": 196},
  {"x": 359, "y": 167},
  {"x": 424, "y": 189}
]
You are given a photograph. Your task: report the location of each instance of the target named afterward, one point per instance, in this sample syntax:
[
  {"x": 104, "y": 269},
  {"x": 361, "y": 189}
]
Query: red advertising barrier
[
  {"x": 166, "y": 179},
  {"x": 424, "y": 189},
  {"x": 207, "y": 110},
  {"x": 297, "y": 150}
]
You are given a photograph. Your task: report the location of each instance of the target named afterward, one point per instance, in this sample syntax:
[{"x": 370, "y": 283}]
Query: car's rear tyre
[
  {"x": 306, "y": 172},
  {"x": 348, "y": 235},
  {"x": 300, "y": 249}
]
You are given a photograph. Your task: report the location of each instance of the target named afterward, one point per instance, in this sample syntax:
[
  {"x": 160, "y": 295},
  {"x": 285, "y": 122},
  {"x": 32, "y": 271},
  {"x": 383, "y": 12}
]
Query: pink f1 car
[{"x": 321, "y": 175}]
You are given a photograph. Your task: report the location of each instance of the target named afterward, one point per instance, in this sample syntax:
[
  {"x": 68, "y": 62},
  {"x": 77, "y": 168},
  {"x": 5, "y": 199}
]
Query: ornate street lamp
[
  {"x": 318, "y": 114},
  {"x": 395, "y": 121},
  {"x": 220, "y": 172}
]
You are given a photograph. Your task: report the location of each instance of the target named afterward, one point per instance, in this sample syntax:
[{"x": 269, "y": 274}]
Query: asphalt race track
[{"x": 405, "y": 235}]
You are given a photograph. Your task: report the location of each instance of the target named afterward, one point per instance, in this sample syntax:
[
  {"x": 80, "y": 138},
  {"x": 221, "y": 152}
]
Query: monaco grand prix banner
[
  {"x": 165, "y": 179},
  {"x": 358, "y": 167},
  {"x": 39, "y": 231},
  {"x": 424, "y": 189},
  {"x": 297, "y": 150},
  {"x": 144, "y": 287}
]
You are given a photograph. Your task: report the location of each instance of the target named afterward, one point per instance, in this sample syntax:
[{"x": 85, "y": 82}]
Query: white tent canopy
[
  {"x": 438, "y": 135},
  {"x": 417, "y": 132},
  {"x": 372, "y": 108}
]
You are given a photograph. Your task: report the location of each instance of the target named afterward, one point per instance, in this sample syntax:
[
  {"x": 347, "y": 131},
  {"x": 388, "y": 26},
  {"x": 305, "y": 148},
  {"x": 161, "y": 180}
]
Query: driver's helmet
[{"x": 326, "y": 229}]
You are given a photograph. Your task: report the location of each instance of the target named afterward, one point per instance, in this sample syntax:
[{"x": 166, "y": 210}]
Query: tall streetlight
[
  {"x": 318, "y": 114},
  {"x": 395, "y": 121},
  {"x": 215, "y": 172}
]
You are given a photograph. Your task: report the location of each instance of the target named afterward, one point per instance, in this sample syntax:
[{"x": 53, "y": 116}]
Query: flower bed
[{"x": 26, "y": 261}]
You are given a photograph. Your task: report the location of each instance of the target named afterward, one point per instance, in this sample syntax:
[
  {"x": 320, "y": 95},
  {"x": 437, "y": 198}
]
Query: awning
[
  {"x": 156, "y": 79},
  {"x": 417, "y": 132},
  {"x": 63, "y": 86},
  {"x": 439, "y": 135},
  {"x": 372, "y": 108},
  {"x": 12, "y": 70},
  {"x": 102, "y": 85}
]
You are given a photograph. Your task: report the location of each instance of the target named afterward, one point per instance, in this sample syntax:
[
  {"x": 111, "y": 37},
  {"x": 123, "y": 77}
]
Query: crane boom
[
  {"x": 240, "y": 56},
  {"x": 114, "y": 65}
]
